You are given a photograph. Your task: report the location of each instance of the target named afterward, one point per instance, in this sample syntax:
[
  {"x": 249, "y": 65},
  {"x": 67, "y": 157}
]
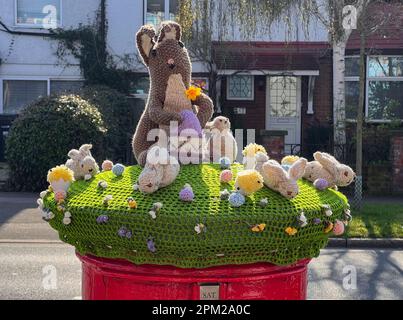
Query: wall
[
  {"x": 255, "y": 109},
  {"x": 33, "y": 55}
]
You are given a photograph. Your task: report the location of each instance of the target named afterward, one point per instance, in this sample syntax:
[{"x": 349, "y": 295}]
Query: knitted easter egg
[
  {"x": 236, "y": 199},
  {"x": 107, "y": 165},
  {"x": 60, "y": 195},
  {"x": 190, "y": 121},
  {"x": 118, "y": 169},
  {"x": 226, "y": 176},
  {"x": 225, "y": 162},
  {"x": 321, "y": 184},
  {"x": 186, "y": 194},
  {"x": 338, "y": 228}
]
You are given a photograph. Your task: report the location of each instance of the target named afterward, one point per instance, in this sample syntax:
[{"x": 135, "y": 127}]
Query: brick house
[{"x": 281, "y": 89}]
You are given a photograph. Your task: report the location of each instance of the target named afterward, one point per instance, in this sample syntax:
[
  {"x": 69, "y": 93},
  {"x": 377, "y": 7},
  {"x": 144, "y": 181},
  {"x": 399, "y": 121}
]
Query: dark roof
[{"x": 269, "y": 55}]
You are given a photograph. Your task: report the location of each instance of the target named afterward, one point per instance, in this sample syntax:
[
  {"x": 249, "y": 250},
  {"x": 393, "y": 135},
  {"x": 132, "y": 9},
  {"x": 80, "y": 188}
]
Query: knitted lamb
[
  {"x": 221, "y": 142},
  {"x": 165, "y": 55}
]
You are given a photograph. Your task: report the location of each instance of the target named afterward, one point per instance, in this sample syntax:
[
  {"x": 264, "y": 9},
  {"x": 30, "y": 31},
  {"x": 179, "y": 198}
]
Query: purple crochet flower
[
  {"x": 190, "y": 121},
  {"x": 151, "y": 245},
  {"x": 102, "y": 219}
]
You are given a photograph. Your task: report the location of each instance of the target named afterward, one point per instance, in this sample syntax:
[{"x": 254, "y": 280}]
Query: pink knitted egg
[
  {"x": 226, "y": 176},
  {"x": 338, "y": 228},
  {"x": 107, "y": 165}
]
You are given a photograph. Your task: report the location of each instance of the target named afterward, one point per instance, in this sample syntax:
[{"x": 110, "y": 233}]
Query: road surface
[{"x": 31, "y": 255}]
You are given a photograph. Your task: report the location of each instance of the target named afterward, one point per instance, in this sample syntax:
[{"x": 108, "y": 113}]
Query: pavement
[{"x": 31, "y": 254}]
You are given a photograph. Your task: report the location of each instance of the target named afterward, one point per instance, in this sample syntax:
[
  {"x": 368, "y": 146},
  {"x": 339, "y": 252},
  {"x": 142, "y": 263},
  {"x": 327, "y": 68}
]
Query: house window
[
  {"x": 352, "y": 85},
  {"x": 19, "y": 93},
  {"x": 38, "y": 14},
  {"x": 240, "y": 87},
  {"x": 385, "y": 88},
  {"x": 201, "y": 83},
  {"x": 140, "y": 86},
  {"x": 65, "y": 86},
  {"x": 157, "y": 11}
]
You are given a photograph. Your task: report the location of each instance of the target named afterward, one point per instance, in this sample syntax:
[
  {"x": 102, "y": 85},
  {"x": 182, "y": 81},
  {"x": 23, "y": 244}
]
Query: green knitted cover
[{"x": 227, "y": 238}]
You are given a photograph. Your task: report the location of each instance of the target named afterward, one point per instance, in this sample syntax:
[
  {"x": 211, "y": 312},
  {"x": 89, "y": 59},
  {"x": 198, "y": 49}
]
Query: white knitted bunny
[
  {"x": 82, "y": 163},
  {"x": 221, "y": 142},
  {"x": 328, "y": 168},
  {"x": 159, "y": 171},
  {"x": 277, "y": 179}
]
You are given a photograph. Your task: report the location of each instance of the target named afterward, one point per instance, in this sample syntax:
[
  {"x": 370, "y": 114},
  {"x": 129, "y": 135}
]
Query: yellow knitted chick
[
  {"x": 289, "y": 160},
  {"x": 251, "y": 149},
  {"x": 248, "y": 182}
]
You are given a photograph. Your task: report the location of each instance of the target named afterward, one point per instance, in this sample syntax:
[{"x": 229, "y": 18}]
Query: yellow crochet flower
[
  {"x": 291, "y": 231},
  {"x": 193, "y": 92},
  {"x": 60, "y": 172},
  {"x": 289, "y": 160},
  {"x": 259, "y": 228},
  {"x": 253, "y": 148}
]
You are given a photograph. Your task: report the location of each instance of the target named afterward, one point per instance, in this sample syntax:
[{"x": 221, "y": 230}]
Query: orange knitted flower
[
  {"x": 193, "y": 92},
  {"x": 291, "y": 231}
]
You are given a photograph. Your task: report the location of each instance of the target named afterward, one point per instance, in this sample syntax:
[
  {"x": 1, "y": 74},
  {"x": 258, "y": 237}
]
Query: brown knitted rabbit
[{"x": 164, "y": 55}]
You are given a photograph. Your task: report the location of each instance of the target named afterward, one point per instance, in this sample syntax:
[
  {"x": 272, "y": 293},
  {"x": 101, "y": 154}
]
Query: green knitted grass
[{"x": 227, "y": 239}]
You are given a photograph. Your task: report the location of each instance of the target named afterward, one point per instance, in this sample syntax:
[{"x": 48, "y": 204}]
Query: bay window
[
  {"x": 156, "y": 11},
  {"x": 384, "y": 88},
  {"x": 38, "y": 14},
  {"x": 19, "y": 93}
]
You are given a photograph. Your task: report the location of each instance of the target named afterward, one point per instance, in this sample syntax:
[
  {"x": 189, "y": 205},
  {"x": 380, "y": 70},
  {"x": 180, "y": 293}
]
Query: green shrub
[
  {"x": 42, "y": 135},
  {"x": 119, "y": 118}
]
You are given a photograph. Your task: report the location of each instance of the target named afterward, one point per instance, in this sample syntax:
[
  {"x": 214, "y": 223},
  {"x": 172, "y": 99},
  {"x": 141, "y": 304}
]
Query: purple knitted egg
[
  {"x": 321, "y": 184},
  {"x": 190, "y": 121},
  {"x": 186, "y": 195}
]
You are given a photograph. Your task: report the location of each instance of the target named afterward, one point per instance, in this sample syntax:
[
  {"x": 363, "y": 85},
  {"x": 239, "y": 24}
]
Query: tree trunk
[
  {"x": 339, "y": 113},
  {"x": 360, "y": 120}
]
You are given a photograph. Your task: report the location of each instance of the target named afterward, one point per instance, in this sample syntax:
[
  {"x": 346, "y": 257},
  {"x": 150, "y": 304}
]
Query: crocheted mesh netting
[{"x": 227, "y": 237}]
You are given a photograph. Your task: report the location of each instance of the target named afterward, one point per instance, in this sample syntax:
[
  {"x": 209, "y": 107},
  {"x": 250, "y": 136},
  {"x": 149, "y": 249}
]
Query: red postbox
[{"x": 122, "y": 280}]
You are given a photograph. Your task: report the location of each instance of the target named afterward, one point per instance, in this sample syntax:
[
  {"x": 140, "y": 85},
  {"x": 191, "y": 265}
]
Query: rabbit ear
[
  {"x": 273, "y": 170},
  {"x": 73, "y": 154},
  {"x": 297, "y": 170},
  {"x": 85, "y": 149},
  {"x": 145, "y": 41},
  {"x": 327, "y": 161}
]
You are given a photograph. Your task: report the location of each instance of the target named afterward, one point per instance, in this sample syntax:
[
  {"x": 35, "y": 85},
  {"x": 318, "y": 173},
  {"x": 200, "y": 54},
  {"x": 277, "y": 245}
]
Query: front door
[{"x": 283, "y": 109}]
